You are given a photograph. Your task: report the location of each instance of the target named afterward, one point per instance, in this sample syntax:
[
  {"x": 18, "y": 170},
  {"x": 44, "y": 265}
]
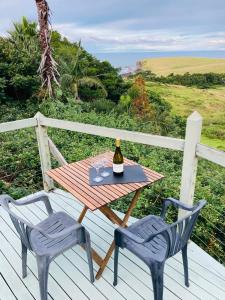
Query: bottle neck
[{"x": 117, "y": 143}]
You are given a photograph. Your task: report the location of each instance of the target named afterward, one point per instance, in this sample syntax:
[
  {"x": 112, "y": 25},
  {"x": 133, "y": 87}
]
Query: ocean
[{"x": 129, "y": 59}]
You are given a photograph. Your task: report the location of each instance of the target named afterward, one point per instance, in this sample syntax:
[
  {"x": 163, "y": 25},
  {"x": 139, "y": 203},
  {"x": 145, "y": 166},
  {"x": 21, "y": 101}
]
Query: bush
[
  {"x": 20, "y": 58},
  {"x": 199, "y": 80},
  {"x": 103, "y": 105}
]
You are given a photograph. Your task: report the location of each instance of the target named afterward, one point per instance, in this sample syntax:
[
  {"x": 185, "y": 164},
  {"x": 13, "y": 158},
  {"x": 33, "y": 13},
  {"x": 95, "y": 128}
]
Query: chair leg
[
  {"x": 24, "y": 260},
  {"x": 157, "y": 270},
  {"x": 116, "y": 257},
  {"x": 185, "y": 263},
  {"x": 43, "y": 268},
  {"x": 89, "y": 258}
]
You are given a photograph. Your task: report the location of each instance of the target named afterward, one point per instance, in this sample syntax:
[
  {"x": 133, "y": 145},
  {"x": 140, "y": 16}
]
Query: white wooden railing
[{"x": 190, "y": 146}]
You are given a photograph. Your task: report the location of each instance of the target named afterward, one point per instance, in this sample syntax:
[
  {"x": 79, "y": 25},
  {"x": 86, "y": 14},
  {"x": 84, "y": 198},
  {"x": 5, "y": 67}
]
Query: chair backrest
[
  {"x": 178, "y": 233},
  {"x": 22, "y": 226}
]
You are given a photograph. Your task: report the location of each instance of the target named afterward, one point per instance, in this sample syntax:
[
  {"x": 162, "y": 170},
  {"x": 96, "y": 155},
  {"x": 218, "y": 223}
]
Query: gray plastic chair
[
  {"x": 153, "y": 241},
  {"x": 49, "y": 238}
]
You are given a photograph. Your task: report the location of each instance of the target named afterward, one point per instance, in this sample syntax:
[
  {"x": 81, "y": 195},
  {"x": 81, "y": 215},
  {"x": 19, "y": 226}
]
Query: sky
[{"x": 106, "y": 26}]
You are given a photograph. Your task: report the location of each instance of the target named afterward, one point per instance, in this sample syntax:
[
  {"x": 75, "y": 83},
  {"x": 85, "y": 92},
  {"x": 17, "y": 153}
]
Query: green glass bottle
[{"x": 118, "y": 167}]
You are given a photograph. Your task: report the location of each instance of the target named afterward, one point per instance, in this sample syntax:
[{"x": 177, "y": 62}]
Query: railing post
[
  {"x": 43, "y": 146},
  {"x": 190, "y": 160}
]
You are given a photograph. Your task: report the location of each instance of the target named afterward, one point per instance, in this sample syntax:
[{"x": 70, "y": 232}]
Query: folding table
[{"x": 74, "y": 178}]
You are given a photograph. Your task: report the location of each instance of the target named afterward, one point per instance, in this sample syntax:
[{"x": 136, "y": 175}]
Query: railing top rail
[
  {"x": 211, "y": 154},
  {"x": 132, "y": 136},
  {"x": 19, "y": 124}
]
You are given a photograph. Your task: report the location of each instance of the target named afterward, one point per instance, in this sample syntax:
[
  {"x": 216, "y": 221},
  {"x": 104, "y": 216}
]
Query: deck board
[
  {"x": 18, "y": 287},
  {"x": 6, "y": 292},
  {"x": 69, "y": 272}
]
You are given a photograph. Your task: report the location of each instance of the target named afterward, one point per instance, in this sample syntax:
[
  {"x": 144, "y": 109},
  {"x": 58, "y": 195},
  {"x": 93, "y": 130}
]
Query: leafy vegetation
[
  {"x": 20, "y": 97},
  {"x": 19, "y": 61},
  {"x": 140, "y": 104},
  {"x": 20, "y": 58},
  {"x": 202, "y": 81},
  {"x": 74, "y": 76}
]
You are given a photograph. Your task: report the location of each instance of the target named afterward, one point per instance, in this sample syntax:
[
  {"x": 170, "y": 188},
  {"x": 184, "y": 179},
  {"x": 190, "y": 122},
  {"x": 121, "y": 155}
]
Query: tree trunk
[{"x": 48, "y": 66}]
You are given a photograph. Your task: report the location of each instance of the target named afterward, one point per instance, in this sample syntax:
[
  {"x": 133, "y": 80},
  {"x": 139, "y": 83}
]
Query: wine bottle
[{"x": 118, "y": 160}]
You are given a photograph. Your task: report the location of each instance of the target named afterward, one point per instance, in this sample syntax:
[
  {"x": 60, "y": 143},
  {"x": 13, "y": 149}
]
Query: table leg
[
  {"x": 105, "y": 260},
  {"x": 131, "y": 207},
  {"x": 111, "y": 215},
  {"x": 82, "y": 215},
  {"x": 96, "y": 257},
  {"x": 124, "y": 222}
]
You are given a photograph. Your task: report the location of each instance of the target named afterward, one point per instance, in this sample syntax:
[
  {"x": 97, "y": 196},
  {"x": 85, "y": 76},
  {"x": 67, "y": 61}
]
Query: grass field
[
  {"x": 210, "y": 103},
  {"x": 181, "y": 65}
]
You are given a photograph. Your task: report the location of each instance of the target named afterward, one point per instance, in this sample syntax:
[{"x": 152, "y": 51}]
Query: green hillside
[
  {"x": 181, "y": 65},
  {"x": 210, "y": 103}
]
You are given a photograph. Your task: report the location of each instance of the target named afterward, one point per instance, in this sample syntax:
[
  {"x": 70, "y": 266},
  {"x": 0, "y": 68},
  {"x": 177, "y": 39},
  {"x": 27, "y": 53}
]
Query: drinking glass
[
  {"x": 97, "y": 165},
  {"x": 105, "y": 173}
]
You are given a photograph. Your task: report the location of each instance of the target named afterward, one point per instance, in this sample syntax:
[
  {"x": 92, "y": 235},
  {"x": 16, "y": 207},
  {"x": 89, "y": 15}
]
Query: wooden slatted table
[{"x": 74, "y": 177}]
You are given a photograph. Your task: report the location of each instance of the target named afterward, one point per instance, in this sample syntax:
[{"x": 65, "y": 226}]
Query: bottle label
[{"x": 118, "y": 168}]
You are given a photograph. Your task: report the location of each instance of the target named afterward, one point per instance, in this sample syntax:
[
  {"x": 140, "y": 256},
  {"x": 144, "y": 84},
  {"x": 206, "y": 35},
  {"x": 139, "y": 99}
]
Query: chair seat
[
  {"x": 153, "y": 250},
  {"x": 55, "y": 223}
]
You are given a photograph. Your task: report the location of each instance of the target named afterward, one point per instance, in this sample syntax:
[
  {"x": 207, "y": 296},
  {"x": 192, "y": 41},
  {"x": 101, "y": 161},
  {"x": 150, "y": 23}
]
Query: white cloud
[
  {"x": 108, "y": 38},
  {"x": 130, "y": 25}
]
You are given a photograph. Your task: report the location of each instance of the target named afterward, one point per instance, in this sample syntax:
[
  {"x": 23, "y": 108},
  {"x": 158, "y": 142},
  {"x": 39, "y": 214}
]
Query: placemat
[{"x": 131, "y": 174}]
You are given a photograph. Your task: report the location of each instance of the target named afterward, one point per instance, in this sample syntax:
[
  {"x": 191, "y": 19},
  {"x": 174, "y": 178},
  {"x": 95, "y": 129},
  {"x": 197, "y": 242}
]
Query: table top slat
[
  {"x": 82, "y": 187},
  {"x": 84, "y": 180},
  {"x": 75, "y": 178},
  {"x": 72, "y": 190},
  {"x": 108, "y": 192}
]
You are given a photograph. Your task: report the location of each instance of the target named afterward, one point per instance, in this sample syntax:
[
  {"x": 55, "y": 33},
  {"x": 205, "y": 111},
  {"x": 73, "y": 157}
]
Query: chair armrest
[
  {"x": 39, "y": 196},
  {"x": 120, "y": 232},
  {"x": 60, "y": 234},
  {"x": 4, "y": 199},
  {"x": 4, "y": 203},
  {"x": 176, "y": 203}
]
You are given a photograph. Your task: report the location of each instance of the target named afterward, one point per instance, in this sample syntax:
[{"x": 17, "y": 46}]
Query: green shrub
[
  {"x": 199, "y": 80},
  {"x": 103, "y": 105}
]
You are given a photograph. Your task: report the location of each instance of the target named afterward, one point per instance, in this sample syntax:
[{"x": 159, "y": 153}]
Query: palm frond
[
  {"x": 66, "y": 81},
  {"x": 92, "y": 82},
  {"x": 64, "y": 66},
  {"x": 77, "y": 56}
]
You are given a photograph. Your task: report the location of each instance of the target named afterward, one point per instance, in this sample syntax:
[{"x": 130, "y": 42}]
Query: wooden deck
[{"x": 69, "y": 272}]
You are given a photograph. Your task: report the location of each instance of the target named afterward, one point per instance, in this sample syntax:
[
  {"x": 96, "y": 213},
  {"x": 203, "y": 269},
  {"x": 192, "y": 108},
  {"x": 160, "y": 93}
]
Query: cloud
[
  {"x": 130, "y": 25},
  {"x": 114, "y": 38}
]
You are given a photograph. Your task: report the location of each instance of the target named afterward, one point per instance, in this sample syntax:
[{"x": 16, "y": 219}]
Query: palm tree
[
  {"x": 74, "y": 75},
  {"x": 24, "y": 36},
  {"x": 48, "y": 66}
]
